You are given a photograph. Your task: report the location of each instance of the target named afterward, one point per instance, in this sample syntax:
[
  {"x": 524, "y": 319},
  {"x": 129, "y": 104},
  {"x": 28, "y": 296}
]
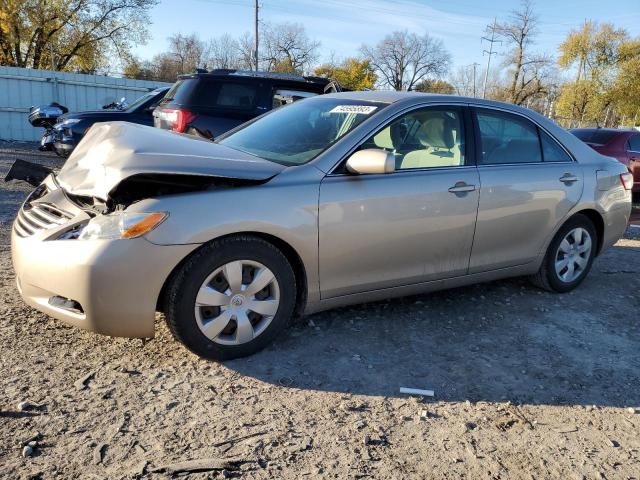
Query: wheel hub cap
[
  {"x": 237, "y": 302},
  {"x": 572, "y": 257}
]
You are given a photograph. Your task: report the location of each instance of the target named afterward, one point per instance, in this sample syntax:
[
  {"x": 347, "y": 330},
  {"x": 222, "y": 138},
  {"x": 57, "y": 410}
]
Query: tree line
[{"x": 594, "y": 78}]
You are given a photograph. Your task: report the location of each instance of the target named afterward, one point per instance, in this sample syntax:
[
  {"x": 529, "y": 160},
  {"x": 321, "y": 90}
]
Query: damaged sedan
[{"x": 330, "y": 201}]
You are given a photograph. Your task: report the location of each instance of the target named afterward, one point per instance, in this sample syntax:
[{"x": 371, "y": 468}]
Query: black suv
[{"x": 210, "y": 103}]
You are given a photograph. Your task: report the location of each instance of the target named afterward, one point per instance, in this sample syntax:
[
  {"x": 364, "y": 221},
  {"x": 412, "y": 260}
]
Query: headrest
[{"x": 437, "y": 130}]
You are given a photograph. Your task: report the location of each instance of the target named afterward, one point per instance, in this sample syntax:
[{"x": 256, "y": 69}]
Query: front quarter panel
[{"x": 286, "y": 207}]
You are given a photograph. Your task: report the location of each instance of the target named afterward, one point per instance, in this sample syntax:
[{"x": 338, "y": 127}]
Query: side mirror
[{"x": 370, "y": 161}]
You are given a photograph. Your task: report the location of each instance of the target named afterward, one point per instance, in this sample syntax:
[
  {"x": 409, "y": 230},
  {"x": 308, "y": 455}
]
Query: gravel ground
[{"x": 527, "y": 385}]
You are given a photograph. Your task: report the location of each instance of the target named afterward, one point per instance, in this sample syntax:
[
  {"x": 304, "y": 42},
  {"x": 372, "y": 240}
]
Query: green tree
[
  {"x": 625, "y": 93},
  {"x": 594, "y": 51},
  {"x": 70, "y": 34},
  {"x": 351, "y": 73}
]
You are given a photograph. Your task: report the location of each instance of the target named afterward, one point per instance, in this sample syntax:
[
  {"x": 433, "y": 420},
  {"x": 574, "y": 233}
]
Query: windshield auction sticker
[{"x": 357, "y": 109}]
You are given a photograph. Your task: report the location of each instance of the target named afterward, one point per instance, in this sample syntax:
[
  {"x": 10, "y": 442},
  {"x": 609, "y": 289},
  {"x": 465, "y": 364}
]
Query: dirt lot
[{"x": 527, "y": 385}]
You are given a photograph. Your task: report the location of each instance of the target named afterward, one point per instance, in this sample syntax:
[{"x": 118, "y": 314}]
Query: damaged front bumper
[{"x": 110, "y": 287}]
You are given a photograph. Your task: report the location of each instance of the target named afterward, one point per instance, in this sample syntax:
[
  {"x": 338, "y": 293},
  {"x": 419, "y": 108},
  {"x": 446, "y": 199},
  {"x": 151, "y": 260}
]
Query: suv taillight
[
  {"x": 177, "y": 118},
  {"x": 627, "y": 180}
]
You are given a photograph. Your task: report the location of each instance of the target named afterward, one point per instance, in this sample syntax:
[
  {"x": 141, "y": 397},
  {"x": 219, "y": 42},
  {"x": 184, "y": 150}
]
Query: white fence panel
[{"x": 21, "y": 88}]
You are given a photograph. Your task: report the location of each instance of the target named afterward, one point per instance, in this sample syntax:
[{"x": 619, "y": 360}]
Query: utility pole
[
  {"x": 475, "y": 64},
  {"x": 490, "y": 52},
  {"x": 255, "y": 54}
]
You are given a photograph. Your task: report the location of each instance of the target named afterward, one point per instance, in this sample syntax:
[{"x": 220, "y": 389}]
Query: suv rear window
[
  {"x": 599, "y": 137},
  {"x": 213, "y": 94}
]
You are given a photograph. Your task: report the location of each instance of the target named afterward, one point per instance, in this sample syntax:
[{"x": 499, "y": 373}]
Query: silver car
[{"x": 333, "y": 200}]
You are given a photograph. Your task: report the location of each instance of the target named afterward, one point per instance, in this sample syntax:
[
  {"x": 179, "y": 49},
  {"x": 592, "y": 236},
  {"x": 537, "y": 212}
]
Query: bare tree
[
  {"x": 527, "y": 70},
  {"x": 402, "y": 59},
  {"x": 287, "y": 48},
  {"x": 246, "y": 52},
  {"x": 462, "y": 81},
  {"x": 188, "y": 50},
  {"x": 223, "y": 52}
]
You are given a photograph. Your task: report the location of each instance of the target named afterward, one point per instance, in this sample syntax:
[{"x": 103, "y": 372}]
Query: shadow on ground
[{"x": 495, "y": 342}]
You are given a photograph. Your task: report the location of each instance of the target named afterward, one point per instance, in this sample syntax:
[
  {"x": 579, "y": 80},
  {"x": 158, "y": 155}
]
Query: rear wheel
[
  {"x": 231, "y": 298},
  {"x": 569, "y": 256}
]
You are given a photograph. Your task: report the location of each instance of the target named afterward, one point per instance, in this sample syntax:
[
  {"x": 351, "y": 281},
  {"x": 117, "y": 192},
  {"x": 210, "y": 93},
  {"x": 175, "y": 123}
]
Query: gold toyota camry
[{"x": 332, "y": 200}]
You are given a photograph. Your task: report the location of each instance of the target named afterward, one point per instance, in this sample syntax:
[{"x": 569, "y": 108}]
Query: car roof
[
  {"x": 249, "y": 74},
  {"x": 613, "y": 130},
  {"x": 393, "y": 96}
]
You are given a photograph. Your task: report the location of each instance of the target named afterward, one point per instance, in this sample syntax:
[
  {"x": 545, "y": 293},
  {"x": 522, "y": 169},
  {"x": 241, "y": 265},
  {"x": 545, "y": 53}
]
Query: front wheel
[
  {"x": 569, "y": 256},
  {"x": 231, "y": 298}
]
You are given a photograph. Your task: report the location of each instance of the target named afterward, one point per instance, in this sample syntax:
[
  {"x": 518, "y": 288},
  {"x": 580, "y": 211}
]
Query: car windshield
[
  {"x": 145, "y": 98},
  {"x": 295, "y": 134},
  {"x": 598, "y": 137}
]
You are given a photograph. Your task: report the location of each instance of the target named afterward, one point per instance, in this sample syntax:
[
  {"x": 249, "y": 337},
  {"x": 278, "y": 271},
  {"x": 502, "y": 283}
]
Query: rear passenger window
[
  {"x": 551, "y": 151},
  {"x": 236, "y": 95},
  {"x": 634, "y": 143},
  {"x": 215, "y": 94},
  {"x": 506, "y": 138}
]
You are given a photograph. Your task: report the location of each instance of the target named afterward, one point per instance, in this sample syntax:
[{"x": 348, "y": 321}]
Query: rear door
[
  {"x": 410, "y": 226},
  {"x": 529, "y": 184}
]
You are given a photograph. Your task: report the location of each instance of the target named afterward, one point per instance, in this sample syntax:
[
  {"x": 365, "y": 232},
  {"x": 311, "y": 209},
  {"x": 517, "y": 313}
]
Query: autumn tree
[
  {"x": 351, "y": 73},
  {"x": 403, "y": 59},
  {"x": 70, "y": 34},
  {"x": 435, "y": 86},
  {"x": 527, "y": 70}
]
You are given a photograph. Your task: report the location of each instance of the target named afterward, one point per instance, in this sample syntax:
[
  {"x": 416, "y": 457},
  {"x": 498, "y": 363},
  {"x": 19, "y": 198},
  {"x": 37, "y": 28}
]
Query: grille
[{"x": 39, "y": 216}]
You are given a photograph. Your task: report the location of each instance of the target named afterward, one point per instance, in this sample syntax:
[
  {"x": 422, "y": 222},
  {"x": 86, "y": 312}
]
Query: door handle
[
  {"x": 461, "y": 187},
  {"x": 568, "y": 178}
]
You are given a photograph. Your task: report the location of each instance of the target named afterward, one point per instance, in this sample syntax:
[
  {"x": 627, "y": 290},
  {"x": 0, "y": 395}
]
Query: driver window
[{"x": 431, "y": 137}]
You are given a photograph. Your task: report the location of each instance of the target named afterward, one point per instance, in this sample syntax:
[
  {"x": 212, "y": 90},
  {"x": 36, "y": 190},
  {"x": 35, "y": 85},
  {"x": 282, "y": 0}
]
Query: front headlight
[{"x": 121, "y": 225}]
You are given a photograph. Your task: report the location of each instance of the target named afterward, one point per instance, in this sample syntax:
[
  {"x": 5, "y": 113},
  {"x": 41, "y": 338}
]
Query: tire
[
  {"x": 548, "y": 277},
  {"x": 207, "y": 277}
]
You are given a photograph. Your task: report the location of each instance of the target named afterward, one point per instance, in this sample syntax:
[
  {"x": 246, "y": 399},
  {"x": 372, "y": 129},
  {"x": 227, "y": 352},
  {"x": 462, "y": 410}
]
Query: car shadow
[{"x": 500, "y": 341}]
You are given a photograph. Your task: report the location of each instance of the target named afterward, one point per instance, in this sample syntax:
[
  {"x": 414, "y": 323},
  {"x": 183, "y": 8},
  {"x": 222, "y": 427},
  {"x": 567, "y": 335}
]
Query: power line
[{"x": 490, "y": 52}]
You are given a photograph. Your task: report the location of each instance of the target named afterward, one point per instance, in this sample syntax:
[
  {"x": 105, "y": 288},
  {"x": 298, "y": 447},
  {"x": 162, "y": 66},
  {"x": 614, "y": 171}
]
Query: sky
[{"x": 343, "y": 26}]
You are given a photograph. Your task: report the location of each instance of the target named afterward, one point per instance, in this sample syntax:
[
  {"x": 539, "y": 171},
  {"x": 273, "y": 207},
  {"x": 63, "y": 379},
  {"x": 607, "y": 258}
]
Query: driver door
[{"x": 410, "y": 226}]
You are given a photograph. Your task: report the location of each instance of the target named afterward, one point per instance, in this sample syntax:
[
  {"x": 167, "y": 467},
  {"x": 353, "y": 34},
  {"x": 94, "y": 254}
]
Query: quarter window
[
  {"x": 634, "y": 143},
  {"x": 506, "y": 138},
  {"x": 426, "y": 138},
  {"x": 551, "y": 151}
]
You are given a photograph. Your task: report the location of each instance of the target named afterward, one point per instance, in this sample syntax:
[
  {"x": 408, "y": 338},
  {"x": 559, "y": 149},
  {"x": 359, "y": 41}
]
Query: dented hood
[{"x": 111, "y": 152}]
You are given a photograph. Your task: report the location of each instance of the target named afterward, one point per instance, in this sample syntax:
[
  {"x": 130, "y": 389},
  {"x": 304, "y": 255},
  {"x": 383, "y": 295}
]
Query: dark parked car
[
  {"x": 623, "y": 145},
  {"x": 71, "y": 127},
  {"x": 209, "y": 104}
]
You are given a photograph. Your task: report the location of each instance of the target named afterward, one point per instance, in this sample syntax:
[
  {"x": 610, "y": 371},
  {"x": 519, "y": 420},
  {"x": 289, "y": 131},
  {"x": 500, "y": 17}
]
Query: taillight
[
  {"x": 627, "y": 180},
  {"x": 177, "y": 118}
]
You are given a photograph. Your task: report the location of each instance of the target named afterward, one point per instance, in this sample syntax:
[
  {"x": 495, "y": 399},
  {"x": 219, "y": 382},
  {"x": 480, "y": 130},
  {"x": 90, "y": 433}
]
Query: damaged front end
[{"x": 118, "y": 164}]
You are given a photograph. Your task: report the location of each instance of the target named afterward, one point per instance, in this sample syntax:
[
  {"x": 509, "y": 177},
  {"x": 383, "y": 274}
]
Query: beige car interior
[{"x": 435, "y": 138}]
